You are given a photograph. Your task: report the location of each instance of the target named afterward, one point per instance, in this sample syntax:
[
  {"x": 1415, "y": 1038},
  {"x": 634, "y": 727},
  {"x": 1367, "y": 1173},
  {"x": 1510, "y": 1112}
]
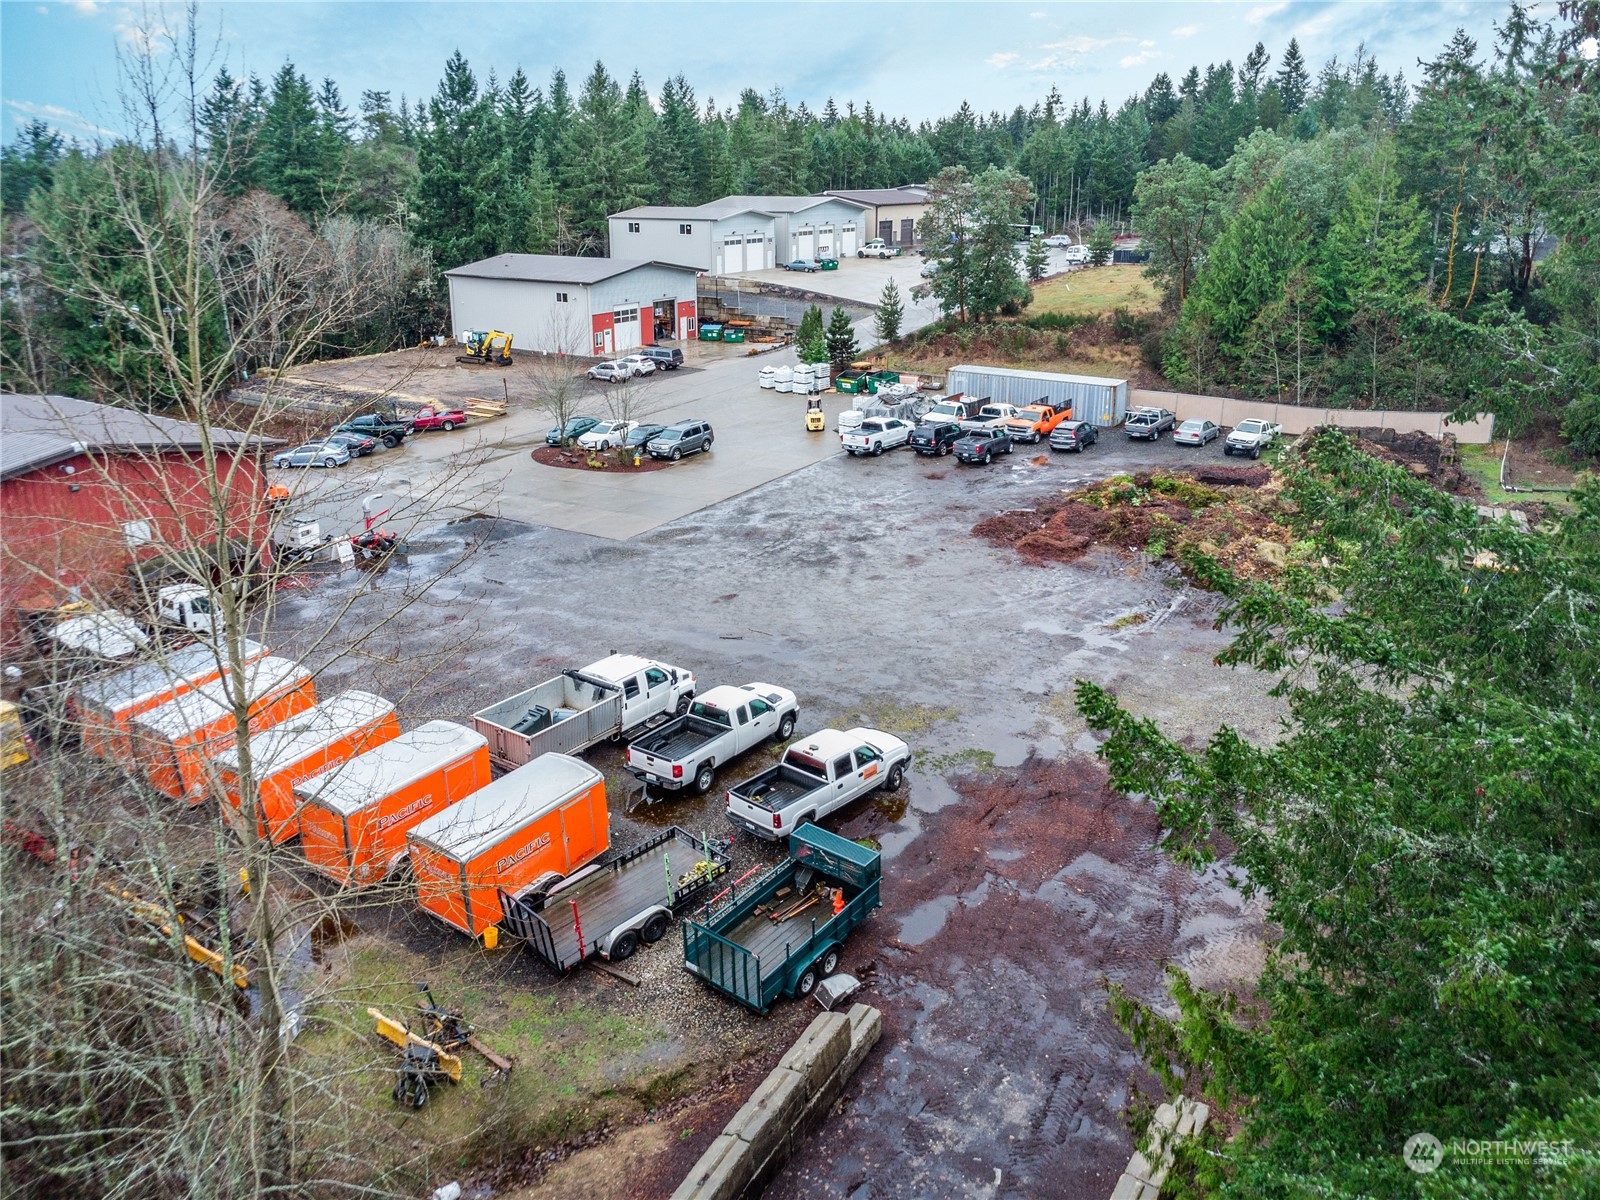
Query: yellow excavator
[{"x": 491, "y": 347}]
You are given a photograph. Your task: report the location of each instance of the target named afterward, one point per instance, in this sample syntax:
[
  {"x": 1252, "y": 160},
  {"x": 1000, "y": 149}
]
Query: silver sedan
[{"x": 1196, "y": 432}]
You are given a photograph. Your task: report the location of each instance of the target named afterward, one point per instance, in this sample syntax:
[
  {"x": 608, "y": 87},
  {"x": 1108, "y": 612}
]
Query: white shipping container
[{"x": 1100, "y": 401}]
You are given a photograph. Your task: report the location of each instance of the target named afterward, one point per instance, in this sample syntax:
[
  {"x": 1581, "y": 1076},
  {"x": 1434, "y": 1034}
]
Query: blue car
[
  {"x": 801, "y": 264},
  {"x": 576, "y": 428},
  {"x": 313, "y": 454}
]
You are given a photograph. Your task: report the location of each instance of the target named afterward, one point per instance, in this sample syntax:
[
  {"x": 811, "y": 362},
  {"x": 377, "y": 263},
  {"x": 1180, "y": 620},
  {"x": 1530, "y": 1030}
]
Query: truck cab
[
  {"x": 649, "y": 689},
  {"x": 1036, "y": 421},
  {"x": 818, "y": 775},
  {"x": 989, "y": 416},
  {"x": 187, "y": 606}
]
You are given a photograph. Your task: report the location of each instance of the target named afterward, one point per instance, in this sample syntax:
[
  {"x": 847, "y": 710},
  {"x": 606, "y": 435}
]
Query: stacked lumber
[{"x": 485, "y": 410}]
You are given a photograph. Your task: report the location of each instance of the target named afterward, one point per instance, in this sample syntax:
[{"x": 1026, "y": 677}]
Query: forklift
[
  {"x": 491, "y": 347},
  {"x": 816, "y": 419}
]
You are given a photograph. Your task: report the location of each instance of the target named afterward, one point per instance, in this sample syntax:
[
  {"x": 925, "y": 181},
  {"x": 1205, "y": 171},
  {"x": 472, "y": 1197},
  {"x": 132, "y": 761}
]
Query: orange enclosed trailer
[
  {"x": 354, "y": 817},
  {"x": 103, "y": 709},
  {"x": 304, "y": 745},
  {"x": 174, "y": 744},
  {"x": 525, "y": 831}
]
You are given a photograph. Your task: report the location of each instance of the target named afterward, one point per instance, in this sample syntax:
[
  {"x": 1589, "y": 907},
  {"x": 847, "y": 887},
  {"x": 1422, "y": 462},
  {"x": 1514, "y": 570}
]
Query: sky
[{"x": 59, "y": 62}]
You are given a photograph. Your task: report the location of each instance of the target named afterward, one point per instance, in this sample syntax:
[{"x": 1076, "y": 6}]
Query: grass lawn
[{"x": 1095, "y": 290}]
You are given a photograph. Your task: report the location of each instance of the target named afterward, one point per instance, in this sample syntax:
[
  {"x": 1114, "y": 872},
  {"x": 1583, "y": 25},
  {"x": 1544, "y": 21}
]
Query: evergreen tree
[
  {"x": 1175, "y": 209},
  {"x": 28, "y": 164},
  {"x": 1036, "y": 260},
  {"x": 811, "y": 340},
  {"x": 842, "y": 348},
  {"x": 446, "y": 198},
  {"x": 1101, "y": 244},
  {"x": 891, "y": 312},
  {"x": 1246, "y": 267},
  {"x": 230, "y": 118},
  {"x": 678, "y": 148},
  {"x": 604, "y": 164},
  {"x": 970, "y": 227},
  {"x": 293, "y": 150},
  {"x": 1294, "y": 82}
]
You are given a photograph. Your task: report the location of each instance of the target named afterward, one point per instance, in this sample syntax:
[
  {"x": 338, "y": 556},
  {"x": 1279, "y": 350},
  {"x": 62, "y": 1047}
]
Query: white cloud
[
  {"x": 1083, "y": 44},
  {"x": 1002, "y": 61},
  {"x": 1038, "y": 16},
  {"x": 1261, "y": 12},
  {"x": 1144, "y": 56},
  {"x": 146, "y": 32},
  {"x": 1589, "y": 48},
  {"x": 1314, "y": 26},
  {"x": 1147, "y": 44},
  {"x": 62, "y": 119},
  {"x": 1185, "y": 31},
  {"x": 87, "y": 7}
]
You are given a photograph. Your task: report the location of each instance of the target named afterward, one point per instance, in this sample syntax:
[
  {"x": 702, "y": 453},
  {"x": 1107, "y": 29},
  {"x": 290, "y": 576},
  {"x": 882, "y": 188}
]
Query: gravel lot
[{"x": 1014, "y": 880}]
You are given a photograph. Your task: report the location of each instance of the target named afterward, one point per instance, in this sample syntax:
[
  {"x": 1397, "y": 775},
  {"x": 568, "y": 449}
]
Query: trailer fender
[
  {"x": 401, "y": 862},
  {"x": 634, "y": 925},
  {"x": 822, "y": 964}
]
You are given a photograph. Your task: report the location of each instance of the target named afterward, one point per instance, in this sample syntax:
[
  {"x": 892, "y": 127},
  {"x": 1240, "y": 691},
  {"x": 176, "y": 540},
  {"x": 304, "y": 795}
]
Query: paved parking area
[{"x": 487, "y": 468}]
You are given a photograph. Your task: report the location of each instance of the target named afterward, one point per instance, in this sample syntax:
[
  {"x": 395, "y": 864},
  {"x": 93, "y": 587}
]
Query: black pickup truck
[{"x": 389, "y": 430}]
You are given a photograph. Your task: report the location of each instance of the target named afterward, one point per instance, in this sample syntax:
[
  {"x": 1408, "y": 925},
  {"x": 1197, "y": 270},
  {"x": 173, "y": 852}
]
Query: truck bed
[
  {"x": 778, "y": 788},
  {"x": 679, "y": 740}
]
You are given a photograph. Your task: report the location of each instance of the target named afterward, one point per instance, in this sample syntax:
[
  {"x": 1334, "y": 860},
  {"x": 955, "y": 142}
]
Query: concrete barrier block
[
  {"x": 1143, "y": 1169},
  {"x": 1167, "y": 1116},
  {"x": 820, "y": 1050},
  {"x": 866, "y": 1027},
  {"x": 721, "y": 1174},
  {"x": 1193, "y": 1121},
  {"x": 1128, "y": 1188},
  {"x": 769, "y": 1114}
]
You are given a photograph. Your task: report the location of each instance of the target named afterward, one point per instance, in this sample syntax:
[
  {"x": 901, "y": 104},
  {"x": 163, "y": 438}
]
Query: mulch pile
[
  {"x": 1420, "y": 454},
  {"x": 1227, "y": 513}
]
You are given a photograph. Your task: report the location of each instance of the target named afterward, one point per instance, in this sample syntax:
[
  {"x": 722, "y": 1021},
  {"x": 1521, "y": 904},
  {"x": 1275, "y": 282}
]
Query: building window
[
  {"x": 599, "y": 340},
  {"x": 561, "y": 297},
  {"x": 136, "y": 534},
  {"x": 633, "y": 227},
  {"x": 685, "y": 228}
]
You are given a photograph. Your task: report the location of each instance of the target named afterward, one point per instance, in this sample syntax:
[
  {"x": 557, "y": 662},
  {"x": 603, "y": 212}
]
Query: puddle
[
  {"x": 893, "y": 804},
  {"x": 1005, "y": 855},
  {"x": 926, "y": 920},
  {"x": 892, "y": 841},
  {"x": 932, "y": 794}
]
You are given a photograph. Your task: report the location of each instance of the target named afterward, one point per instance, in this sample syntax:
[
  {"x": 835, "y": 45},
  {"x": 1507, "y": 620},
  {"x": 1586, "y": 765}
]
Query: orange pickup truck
[{"x": 1035, "y": 421}]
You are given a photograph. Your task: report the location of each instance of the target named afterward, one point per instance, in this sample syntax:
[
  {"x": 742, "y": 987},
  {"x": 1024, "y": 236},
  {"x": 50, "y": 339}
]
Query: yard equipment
[
  {"x": 432, "y": 1057},
  {"x": 15, "y": 745},
  {"x": 486, "y": 347},
  {"x": 816, "y": 419}
]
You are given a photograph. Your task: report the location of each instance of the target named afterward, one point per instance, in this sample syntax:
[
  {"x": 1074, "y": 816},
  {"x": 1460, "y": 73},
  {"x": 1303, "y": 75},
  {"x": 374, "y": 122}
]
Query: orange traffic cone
[{"x": 838, "y": 901}]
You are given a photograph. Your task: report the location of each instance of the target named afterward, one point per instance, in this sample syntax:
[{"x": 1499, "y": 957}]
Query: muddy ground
[{"x": 1015, "y": 882}]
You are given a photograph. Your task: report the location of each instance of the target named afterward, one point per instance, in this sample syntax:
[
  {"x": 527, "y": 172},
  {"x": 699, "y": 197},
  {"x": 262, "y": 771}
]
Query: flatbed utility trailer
[
  {"x": 610, "y": 908},
  {"x": 741, "y": 950}
]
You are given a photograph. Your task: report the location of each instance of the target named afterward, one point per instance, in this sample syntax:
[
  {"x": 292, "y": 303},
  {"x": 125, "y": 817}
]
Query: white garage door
[
  {"x": 827, "y": 246},
  {"x": 805, "y": 243},
  {"x": 732, "y": 255},
  {"x": 755, "y": 252},
  {"x": 626, "y": 322},
  {"x": 848, "y": 242}
]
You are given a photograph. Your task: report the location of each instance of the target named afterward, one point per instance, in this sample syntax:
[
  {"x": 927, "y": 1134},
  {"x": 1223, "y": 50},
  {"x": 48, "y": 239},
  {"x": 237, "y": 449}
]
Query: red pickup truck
[{"x": 427, "y": 418}]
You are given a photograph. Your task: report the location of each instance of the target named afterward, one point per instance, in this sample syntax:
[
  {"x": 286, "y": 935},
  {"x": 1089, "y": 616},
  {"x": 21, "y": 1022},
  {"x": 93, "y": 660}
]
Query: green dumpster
[
  {"x": 711, "y": 333},
  {"x": 730, "y": 334}
]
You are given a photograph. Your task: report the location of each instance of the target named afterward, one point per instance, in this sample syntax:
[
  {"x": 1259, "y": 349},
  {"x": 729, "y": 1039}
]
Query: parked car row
[
  {"x": 659, "y": 441},
  {"x": 361, "y": 435}
]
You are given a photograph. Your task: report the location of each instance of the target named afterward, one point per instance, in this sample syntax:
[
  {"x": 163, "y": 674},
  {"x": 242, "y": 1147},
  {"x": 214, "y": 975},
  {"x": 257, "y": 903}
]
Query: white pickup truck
[
  {"x": 721, "y": 725},
  {"x": 1250, "y": 437},
  {"x": 989, "y": 416},
  {"x": 878, "y": 248},
  {"x": 875, "y": 435},
  {"x": 818, "y": 774}
]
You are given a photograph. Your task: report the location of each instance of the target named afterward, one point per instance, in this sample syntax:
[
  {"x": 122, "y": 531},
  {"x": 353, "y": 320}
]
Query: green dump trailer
[{"x": 754, "y": 947}]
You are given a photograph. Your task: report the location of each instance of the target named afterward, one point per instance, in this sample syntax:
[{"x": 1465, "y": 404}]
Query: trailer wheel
[
  {"x": 830, "y": 962},
  {"x": 654, "y": 929},
  {"x": 624, "y": 946},
  {"x": 809, "y": 978},
  {"x": 704, "y": 778}
]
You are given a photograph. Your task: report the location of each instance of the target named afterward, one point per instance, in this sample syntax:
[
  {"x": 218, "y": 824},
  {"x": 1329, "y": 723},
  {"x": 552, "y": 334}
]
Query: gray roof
[
  {"x": 37, "y": 430},
  {"x": 730, "y": 206},
  {"x": 555, "y": 268},
  {"x": 910, "y": 194}
]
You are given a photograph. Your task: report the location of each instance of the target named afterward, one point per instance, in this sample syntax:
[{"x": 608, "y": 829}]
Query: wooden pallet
[{"x": 485, "y": 410}]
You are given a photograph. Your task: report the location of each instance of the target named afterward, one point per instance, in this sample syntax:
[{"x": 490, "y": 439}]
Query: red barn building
[{"x": 88, "y": 489}]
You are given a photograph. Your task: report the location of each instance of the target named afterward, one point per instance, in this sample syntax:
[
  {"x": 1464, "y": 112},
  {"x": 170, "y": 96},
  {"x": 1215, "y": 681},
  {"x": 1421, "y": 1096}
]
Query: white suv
[{"x": 638, "y": 364}]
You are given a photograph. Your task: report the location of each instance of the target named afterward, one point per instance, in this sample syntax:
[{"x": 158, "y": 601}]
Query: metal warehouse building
[
  {"x": 561, "y": 305},
  {"x": 1102, "y": 402},
  {"x": 743, "y": 233}
]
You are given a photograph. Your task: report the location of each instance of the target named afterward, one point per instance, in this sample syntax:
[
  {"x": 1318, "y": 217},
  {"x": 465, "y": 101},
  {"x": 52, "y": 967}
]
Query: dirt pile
[
  {"x": 1425, "y": 457},
  {"x": 1225, "y": 513}
]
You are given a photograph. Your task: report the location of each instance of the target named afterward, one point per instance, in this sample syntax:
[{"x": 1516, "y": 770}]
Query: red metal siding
[{"x": 57, "y": 537}]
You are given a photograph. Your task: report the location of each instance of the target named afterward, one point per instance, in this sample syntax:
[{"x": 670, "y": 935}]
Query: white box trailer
[{"x": 1100, "y": 401}]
